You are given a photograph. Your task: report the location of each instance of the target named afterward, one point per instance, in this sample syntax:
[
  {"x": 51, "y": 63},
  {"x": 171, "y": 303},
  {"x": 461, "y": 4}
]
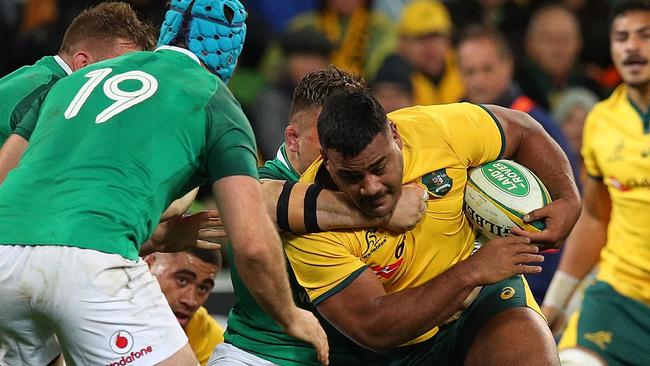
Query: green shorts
[
  {"x": 451, "y": 344},
  {"x": 613, "y": 326}
]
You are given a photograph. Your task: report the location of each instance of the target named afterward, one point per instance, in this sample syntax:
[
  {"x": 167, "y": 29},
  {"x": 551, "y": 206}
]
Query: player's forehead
[
  {"x": 186, "y": 263},
  {"x": 637, "y": 20},
  {"x": 375, "y": 154}
]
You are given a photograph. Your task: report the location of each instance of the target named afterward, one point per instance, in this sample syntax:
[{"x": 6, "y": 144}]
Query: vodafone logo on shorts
[{"x": 121, "y": 342}]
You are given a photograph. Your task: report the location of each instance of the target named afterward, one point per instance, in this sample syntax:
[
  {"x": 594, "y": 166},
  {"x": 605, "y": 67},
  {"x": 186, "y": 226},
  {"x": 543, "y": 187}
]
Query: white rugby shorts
[
  {"x": 228, "y": 355},
  {"x": 103, "y": 309}
]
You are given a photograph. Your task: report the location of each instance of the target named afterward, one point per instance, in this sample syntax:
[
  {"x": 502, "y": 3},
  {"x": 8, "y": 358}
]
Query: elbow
[
  {"x": 376, "y": 346},
  {"x": 256, "y": 250},
  {"x": 379, "y": 338},
  {"x": 252, "y": 252}
]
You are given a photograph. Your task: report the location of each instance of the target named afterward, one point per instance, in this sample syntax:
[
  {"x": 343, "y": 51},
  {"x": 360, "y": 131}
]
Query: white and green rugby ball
[{"x": 499, "y": 194}]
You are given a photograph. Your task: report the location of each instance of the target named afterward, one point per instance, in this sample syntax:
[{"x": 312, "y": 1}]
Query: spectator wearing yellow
[{"x": 425, "y": 47}]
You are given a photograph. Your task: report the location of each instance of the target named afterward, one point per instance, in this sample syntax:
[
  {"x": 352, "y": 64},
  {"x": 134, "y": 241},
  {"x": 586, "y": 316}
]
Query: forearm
[
  {"x": 10, "y": 154},
  {"x": 422, "y": 308},
  {"x": 391, "y": 320},
  {"x": 265, "y": 274},
  {"x": 336, "y": 211},
  {"x": 257, "y": 248},
  {"x": 333, "y": 209}
]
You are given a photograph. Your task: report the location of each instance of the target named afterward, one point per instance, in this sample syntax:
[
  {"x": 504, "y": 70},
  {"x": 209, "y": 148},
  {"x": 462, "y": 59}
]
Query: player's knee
[
  {"x": 521, "y": 336},
  {"x": 580, "y": 357}
]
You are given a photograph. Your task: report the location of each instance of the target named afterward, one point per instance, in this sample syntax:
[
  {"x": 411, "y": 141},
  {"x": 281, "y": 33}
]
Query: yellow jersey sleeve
[
  {"x": 588, "y": 152},
  {"x": 323, "y": 263},
  {"x": 470, "y": 132},
  {"x": 203, "y": 334}
]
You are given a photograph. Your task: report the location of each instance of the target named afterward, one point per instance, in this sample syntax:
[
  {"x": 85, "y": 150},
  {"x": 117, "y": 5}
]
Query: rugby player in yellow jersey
[
  {"x": 186, "y": 279},
  {"x": 613, "y": 232},
  {"x": 394, "y": 292}
]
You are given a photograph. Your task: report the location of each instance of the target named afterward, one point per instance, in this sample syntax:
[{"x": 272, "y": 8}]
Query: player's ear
[
  {"x": 80, "y": 59},
  {"x": 291, "y": 135},
  {"x": 149, "y": 259},
  {"x": 395, "y": 134}
]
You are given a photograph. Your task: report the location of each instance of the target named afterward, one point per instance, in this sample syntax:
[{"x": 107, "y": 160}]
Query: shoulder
[
  {"x": 31, "y": 77},
  {"x": 203, "y": 325},
  {"x": 614, "y": 104}
]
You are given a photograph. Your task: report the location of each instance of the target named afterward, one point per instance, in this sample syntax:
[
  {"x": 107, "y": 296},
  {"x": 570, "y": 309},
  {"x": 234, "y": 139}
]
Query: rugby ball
[{"x": 499, "y": 194}]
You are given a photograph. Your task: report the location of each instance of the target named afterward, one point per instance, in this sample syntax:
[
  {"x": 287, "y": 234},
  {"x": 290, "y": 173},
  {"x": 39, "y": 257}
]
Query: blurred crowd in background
[{"x": 549, "y": 59}]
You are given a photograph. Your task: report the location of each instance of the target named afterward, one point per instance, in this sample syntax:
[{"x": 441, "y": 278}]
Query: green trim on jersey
[
  {"x": 103, "y": 185},
  {"x": 336, "y": 289},
  {"x": 501, "y": 132},
  {"x": 279, "y": 168},
  {"x": 24, "y": 90},
  {"x": 645, "y": 117},
  {"x": 254, "y": 331}
]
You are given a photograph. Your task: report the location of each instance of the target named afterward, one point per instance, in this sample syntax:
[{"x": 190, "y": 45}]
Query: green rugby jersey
[
  {"x": 26, "y": 87},
  {"x": 251, "y": 329},
  {"x": 118, "y": 141}
]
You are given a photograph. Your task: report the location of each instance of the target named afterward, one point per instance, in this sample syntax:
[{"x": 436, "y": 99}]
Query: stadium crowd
[{"x": 579, "y": 70}]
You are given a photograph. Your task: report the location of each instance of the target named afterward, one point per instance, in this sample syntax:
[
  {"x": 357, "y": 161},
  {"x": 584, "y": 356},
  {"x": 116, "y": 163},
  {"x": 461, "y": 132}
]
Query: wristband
[{"x": 560, "y": 290}]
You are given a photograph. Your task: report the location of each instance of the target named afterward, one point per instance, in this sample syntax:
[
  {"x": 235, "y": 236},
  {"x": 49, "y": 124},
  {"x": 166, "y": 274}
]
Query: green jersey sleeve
[
  {"x": 25, "y": 127},
  {"x": 230, "y": 145}
]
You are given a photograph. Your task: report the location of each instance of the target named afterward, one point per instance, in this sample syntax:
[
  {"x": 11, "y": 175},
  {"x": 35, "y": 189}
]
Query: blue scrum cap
[{"x": 214, "y": 30}]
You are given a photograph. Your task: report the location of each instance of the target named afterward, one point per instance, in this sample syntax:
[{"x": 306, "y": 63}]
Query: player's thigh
[
  {"x": 517, "y": 336},
  {"x": 228, "y": 355},
  {"x": 25, "y": 336},
  {"x": 609, "y": 325},
  {"x": 107, "y": 310},
  {"x": 502, "y": 325}
]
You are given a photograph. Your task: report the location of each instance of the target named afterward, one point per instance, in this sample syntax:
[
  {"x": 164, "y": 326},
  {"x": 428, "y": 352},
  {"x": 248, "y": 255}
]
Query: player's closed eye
[
  {"x": 351, "y": 178},
  {"x": 379, "y": 170}
]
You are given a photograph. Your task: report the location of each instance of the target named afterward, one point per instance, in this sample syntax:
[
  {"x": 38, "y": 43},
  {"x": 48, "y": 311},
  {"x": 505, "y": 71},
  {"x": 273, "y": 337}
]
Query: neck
[
  {"x": 295, "y": 161},
  {"x": 65, "y": 61},
  {"x": 66, "y": 58},
  {"x": 640, "y": 95}
]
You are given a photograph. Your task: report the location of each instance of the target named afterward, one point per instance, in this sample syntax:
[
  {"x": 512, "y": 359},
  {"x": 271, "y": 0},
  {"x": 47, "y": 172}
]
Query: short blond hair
[{"x": 108, "y": 21}]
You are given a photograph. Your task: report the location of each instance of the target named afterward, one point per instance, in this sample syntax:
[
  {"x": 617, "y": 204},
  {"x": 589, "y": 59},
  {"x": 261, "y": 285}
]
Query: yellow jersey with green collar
[
  {"x": 203, "y": 334},
  {"x": 616, "y": 149},
  {"x": 440, "y": 143}
]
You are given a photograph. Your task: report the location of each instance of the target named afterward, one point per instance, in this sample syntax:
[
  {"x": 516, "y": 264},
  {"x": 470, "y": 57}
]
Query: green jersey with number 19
[{"x": 115, "y": 143}]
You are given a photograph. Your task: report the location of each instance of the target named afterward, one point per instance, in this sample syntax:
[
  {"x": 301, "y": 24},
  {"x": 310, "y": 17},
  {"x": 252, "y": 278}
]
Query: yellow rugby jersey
[
  {"x": 616, "y": 148},
  {"x": 440, "y": 143},
  {"x": 203, "y": 334}
]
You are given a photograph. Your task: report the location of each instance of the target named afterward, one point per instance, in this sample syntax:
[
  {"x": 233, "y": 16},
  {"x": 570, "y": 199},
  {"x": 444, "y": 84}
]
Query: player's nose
[{"x": 371, "y": 186}]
